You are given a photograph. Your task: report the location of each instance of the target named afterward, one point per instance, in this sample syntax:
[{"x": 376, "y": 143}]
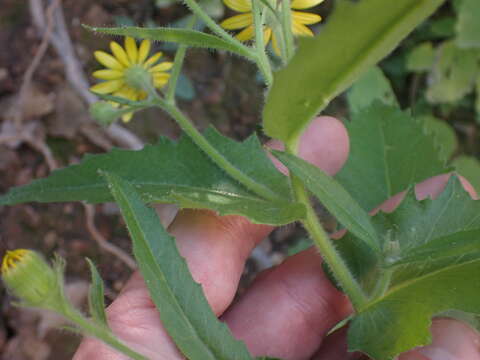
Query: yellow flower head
[
  {"x": 123, "y": 65},
  {"x": 28, "y": 277},
  {"x": 245, "y": 20}
]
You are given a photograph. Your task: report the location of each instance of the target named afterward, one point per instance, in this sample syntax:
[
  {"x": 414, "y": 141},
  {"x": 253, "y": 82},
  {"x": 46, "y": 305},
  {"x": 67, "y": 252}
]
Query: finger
[
  {"x": 216, "y": 249},
  {"x": 335, "y": 347},
  {"x": 452, "y": 340},
  {"x": 288, "y": 309}
]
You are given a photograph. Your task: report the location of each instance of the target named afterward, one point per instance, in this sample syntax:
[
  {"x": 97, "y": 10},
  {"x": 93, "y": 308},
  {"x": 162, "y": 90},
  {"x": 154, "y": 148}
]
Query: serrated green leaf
[
  {"x": 333, "y": 196},
  {"x": 453, "y": 75},
  {"x": 444, "y": 135},
  {"x": 174, "y": 172},
  {"x": 96, "y": 302},
  {"x": 352, "y": 41},
  {"x": 402, "y": 317},
  {"x": 468, "y": 26},
  {"x": 421, "y": 57},
  {"x": 372, "y": 85},
  {"x": 469, "y": 167},
  {"x": 183, "y": 309},
  {"x": 389, "y": 151},
  {"x": 432, "y": 248},
  {"x": 188, "y": 37}
]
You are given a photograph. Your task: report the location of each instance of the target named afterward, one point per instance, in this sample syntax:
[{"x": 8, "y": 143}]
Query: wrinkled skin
[{"x": 288, "y": 310}]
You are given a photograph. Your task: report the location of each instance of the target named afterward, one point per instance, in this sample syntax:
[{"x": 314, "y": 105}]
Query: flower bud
[
  {"x": 105, "y": 112},
  {"x": 28, "y": 276}
]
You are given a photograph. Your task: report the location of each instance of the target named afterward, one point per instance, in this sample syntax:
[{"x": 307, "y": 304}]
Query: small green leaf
[
  {"x": 175, "y": 172},
  {"x": 96, "y": 302},
  {"x": 352, "y": 41},
  {"x": 469, "y": 167},
  {"x": 468, "y": 26},
  {"x": 372, "y": 85},
  {"x": 333, "y": 196},
  {"x": 183, "y": 309},
  {"x": 443, "y": 133},
  {"x": 453, "y": 75},
  {"x": 180, "y": 36},
  {"x": 389, "y": 152},
  {"x": 421, "y": 57}
]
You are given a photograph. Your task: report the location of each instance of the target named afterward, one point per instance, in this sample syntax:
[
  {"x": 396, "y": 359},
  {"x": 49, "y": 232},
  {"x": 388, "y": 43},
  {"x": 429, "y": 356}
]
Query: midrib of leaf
[
  {"x": 364, "y": 53},
  {"x": 407, "y": 283},
  {"x": 164, "y": 280},
  {"x": 385, "y": 163}
]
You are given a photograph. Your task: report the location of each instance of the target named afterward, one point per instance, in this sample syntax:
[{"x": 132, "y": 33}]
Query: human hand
[{"x": 289, "y": 309}]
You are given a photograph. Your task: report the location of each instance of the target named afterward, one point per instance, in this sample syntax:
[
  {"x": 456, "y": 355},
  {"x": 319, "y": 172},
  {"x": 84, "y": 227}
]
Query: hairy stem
[
  {"x": 177, "y": 65},
  {"x": 287, "y": 29},
  {"x": 100, "y": 332},
  {"x": 263, "y": 61},
  {"x": 335, "y": 262},
  {"x": 213, "y": 153}
]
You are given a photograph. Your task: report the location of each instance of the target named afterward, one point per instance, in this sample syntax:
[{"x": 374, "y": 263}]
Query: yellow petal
[
  {"x": 300, "y": 29},
  {"x": 119, "y": 53},
  {"x": 108, "y": 74},
  {"x": 267, "y": 34},
  {"x": 126, "y": 92},
  {"x": 239, "y": 5},
  {"x": 132, "y": 50},
  {"x": 107, "y": 60},
  {"x": 305, "y": 18},
  {"x": 275, "y": 46},
  {"x": 246, "y": 34},
  {"x": 237, "y": 21},
  {"x": 305, "y": 4},
  {"x": 144, "y": 51},
  {"x": 107, "y": 87},
  {"x": 160, "y": 79},
  {"x": 152, "y": 60},
  {"x": 127, "y": 117},
  {"x": 164, "y": 66}
]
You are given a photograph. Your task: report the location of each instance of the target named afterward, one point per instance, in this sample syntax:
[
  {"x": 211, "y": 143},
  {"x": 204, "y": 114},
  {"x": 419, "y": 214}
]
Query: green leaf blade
[
  {"x": 183, "y": 309},
  {"x": 96, "y": 302},
  {"x": 174, "y": 172},
  {"x": 402, "y": 318},
  {"x": 468, "y": 26},
  {"x": 389, "y": 152},
  {"x": 326, "y": 65},
  {"x": 333, "y": 196},
  {"x": 187, "y": 37}
]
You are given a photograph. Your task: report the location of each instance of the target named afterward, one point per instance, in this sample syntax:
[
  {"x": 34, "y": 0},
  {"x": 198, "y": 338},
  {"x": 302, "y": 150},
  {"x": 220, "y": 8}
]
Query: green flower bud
[
  {"x": 28, "y": 276},
  {"x": 106, "y": 112}
]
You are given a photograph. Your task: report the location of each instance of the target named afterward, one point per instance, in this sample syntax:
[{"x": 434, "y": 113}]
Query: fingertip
[{"x": 325, "y": 143}]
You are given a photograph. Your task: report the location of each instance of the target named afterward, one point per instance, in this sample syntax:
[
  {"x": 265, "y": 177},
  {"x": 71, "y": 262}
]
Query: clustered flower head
[
  {"x": 245, "y": 20},
  {"x": 120, "y": 78}
]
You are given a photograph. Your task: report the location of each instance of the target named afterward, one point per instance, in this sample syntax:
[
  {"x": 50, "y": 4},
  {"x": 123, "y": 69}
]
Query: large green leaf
[
  {"x": 183, "y": 309},
  {"x": 443, "y": 133},
  {"x": 358, "y": 34},
  {"x": 468, "y": 26},
  {"x": 400, "y": 320},
  {"x": 333, "y": 196},
  {"x": 372, "y": 85},
  {"x": 188, "y": 37},
  {"x": 389, "y": 151},
  {"x": 469, "y": 167},
  {"x": 432, "y": 251},
  {"x": 177, "y": 172}
]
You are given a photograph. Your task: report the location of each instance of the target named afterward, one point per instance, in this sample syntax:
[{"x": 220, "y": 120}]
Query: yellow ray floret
[
  {"x": 244, "y": 21},
  {"x": 120, "y": 61}
]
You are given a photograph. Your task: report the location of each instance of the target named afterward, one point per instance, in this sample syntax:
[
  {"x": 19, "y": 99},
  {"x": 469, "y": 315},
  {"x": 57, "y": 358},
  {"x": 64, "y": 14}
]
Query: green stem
[
  {"x": 263, "y": 61},
  {"x": 213, "y": 153},
  {"x": 337, "y": 265},
  {"x": 287, "y": 29},
  {"x": 177, "y": 66},
  {"x": 100, "y": 332}
]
